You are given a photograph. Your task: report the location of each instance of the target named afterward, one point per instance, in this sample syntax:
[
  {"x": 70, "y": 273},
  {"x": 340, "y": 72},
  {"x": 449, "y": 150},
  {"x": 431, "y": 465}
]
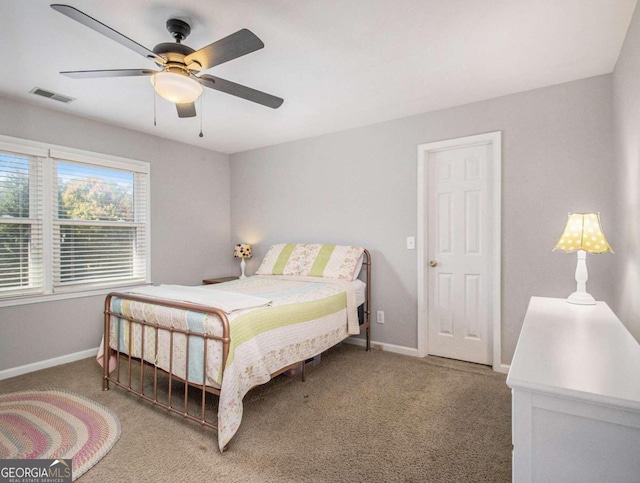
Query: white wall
[
  {"x": 626, "y": 242},
  {"x": 190, "y": 207},
  {"x": 359, "y": 187}
]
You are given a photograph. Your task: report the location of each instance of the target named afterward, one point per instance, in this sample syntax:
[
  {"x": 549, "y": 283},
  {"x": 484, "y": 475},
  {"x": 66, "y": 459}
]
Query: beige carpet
[{"x": 359, "y": 416}]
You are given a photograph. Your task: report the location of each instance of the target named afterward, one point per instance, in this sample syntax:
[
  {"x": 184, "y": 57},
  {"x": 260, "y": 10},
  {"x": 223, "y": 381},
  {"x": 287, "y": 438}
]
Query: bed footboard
[{"x": 127, "y": 384}]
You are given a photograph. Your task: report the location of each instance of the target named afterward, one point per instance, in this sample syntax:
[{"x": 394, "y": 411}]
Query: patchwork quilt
[{"x": 306, "y": 316}]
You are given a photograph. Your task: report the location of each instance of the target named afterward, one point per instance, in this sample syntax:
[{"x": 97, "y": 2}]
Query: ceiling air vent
[{"x": 51, "y": 95}]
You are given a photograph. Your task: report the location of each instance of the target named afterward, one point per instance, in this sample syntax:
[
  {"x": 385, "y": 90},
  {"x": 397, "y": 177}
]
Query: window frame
[{"x": 49, "y": 154}]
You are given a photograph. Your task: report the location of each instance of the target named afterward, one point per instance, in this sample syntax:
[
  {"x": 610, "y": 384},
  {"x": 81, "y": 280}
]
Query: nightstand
[{"x": 211, "y": 281}]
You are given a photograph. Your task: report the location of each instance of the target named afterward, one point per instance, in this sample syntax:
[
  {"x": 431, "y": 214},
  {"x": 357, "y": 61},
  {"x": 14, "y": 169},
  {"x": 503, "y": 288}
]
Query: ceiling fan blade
[
  {"x": 88, "y": 74},
  {"x": 92, "y": 23},
  {"x": 236, "y": 45},
  {"x": 241, "y": 91},
  {"x": 186, "y": 110}
]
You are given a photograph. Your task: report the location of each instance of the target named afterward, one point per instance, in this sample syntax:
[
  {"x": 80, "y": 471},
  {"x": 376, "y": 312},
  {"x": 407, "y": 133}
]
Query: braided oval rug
[{"x": 56, "y": 424}]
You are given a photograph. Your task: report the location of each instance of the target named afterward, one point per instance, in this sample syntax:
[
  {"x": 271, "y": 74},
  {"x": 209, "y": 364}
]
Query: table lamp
[
  {"x": 582, "y": 234},
  {"x": 242, "y": 251}
]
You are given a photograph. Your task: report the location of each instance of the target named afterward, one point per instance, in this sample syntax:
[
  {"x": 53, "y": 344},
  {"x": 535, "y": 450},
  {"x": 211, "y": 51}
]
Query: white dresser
[{"x": 575, "y": 380}]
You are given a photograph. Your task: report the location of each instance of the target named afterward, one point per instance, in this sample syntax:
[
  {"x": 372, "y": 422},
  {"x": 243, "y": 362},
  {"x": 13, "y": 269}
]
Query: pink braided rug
[{"x": 56, "y": 424}]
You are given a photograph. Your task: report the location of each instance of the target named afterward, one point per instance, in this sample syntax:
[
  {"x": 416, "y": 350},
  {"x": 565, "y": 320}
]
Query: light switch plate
[{"x": 411, "y": 243}]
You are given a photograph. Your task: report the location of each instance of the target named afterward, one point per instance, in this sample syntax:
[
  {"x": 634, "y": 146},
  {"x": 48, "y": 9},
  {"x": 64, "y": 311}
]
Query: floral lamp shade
[
  {"x": 242, "y": 250},
  {"x": 583, "y": 232}
]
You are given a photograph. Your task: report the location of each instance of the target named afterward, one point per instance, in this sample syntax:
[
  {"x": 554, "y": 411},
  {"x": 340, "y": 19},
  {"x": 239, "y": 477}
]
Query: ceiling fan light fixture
[{"x": 176, "y": 87}]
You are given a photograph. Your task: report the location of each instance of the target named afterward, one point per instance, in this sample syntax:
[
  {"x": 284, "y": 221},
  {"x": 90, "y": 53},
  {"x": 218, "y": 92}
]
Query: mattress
[{"x": 361, "y": 289}]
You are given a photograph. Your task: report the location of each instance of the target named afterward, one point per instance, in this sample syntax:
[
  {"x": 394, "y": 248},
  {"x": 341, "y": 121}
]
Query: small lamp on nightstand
[
  {"x": 582, "y": 234},
  {"x": 242, "y": 251}
]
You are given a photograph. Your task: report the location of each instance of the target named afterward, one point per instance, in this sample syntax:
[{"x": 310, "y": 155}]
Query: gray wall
[
  {"x": 626, "y": 242},
  {"x": 190, "y": 207},
  {"x": 359, "y": 187}
]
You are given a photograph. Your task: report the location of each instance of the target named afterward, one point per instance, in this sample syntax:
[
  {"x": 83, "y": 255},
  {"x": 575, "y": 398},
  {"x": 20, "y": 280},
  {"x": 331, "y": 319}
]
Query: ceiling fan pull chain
[
  {"x": 154, "y": 100},
  {"x": 201, "y": 116}
]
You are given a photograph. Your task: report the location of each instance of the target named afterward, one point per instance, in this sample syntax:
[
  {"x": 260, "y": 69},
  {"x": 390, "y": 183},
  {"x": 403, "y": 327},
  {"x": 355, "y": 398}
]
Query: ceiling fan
[{"x": 178, "y": 81}]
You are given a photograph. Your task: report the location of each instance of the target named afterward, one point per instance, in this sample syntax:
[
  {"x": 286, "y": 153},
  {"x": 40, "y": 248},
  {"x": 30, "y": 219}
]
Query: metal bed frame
[{"x": 126, "y": 383}]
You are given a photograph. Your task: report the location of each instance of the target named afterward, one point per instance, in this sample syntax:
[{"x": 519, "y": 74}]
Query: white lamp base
[
  {"x": 580, "y": 296},
  {"x": 242, "y": 265}
]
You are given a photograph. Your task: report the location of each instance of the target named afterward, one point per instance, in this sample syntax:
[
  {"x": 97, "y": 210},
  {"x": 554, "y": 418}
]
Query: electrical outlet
[{"x": 380, "y": 316}]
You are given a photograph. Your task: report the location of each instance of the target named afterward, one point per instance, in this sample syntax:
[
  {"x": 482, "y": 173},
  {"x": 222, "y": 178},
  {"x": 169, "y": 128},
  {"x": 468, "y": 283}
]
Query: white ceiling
[{"x": 338, "y": 64}]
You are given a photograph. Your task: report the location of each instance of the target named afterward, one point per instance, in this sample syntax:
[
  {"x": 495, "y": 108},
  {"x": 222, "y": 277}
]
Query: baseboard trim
[
  {"x": 398, "y": 349},
  {"x": 407, "y": 351},
  {"x": 56, "y": 361}
]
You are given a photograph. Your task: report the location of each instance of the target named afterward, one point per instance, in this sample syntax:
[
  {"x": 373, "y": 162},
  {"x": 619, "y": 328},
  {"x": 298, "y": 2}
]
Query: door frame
[{"x": 494, "y": 189}]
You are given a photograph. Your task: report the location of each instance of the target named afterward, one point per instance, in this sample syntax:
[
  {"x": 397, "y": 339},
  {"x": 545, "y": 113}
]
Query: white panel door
[{"x": 458, "y": 253}]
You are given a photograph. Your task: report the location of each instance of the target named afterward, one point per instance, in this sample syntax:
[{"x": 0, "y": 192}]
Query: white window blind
[
  {"x": 99, "y": 225},
  {"x": 21, "y": 224},
  {"x": 70, "y": 221}
]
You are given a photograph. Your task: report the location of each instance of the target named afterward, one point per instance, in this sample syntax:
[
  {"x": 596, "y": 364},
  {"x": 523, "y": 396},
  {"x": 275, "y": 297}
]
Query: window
[
  {"x": 70, "y": 221},
  {"x": 20, "y": 224}
]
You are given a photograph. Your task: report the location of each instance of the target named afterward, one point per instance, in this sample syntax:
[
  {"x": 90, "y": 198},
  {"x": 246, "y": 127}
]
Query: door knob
[{"x": 433, "y": 263}]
